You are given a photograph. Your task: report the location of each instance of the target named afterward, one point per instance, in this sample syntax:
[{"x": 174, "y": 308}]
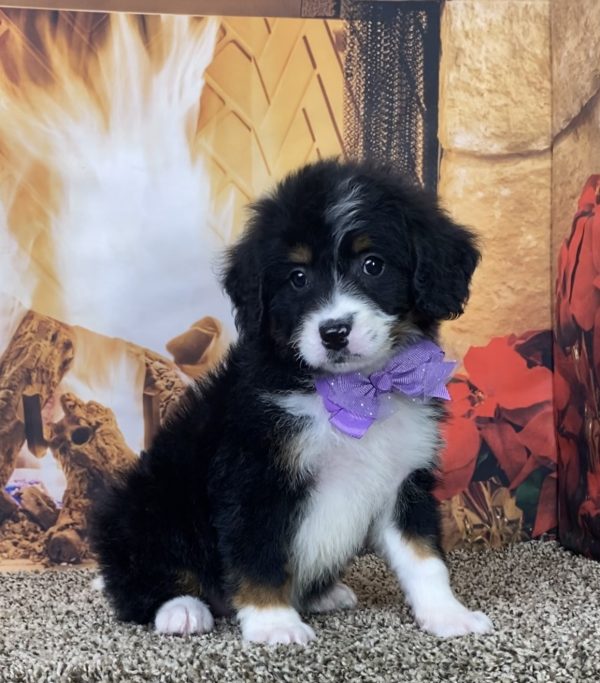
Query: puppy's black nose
[{"x": 334, "y": 333}]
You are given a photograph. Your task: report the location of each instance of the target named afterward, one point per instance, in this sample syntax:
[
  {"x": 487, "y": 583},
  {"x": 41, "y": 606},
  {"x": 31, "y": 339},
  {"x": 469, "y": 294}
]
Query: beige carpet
[{"x": 544, "y": 601}]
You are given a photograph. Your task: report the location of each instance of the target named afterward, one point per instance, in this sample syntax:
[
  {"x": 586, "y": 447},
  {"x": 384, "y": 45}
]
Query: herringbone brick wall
[{"x": 273, "y": 100}]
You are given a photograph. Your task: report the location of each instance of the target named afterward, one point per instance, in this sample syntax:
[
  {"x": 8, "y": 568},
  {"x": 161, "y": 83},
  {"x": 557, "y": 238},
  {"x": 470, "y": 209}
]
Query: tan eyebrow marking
[
  {"x": 300, "y": 253},
  {"x": 361, "y": 243}
]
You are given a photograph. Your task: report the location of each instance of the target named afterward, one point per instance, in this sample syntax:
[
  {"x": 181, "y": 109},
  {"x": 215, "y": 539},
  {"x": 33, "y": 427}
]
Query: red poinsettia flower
[
  {"x": 546, "y": 517},
  {"x": 506, "y": 401},
  {"x": 578, "y": 285},
  {"x": 515, "y": 395},
  {"x": 539, "y": 438},
  {"x": 510, "y": 453},
  {"x": 462, "y": 439},
  {"x": 589, "y": 511},
  {"x": 520, "y": 452},
  {"x": 577, "y": 373},
  {"x": 596, "y": 347},
  {"x": 461, "y": 396},
  {"x": 504, "y": 379},
  {"x": 459, "y": 457},
  {"x": 569, "y": 419},
  {"x": 569, "y": 470},
  {"x": 585, "y": 290}
]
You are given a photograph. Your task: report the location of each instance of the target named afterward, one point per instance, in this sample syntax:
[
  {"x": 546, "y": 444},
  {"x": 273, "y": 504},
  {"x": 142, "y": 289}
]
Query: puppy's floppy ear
[
  {"x": 242, "y": 280},
  {"x": 446, "y": 256}
]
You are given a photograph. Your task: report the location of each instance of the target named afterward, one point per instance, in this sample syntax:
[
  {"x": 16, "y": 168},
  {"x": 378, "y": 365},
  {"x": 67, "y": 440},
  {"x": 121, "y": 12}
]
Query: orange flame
[
  {"x": 103, "y": 194},
  {"x": 106, "y": 213}
]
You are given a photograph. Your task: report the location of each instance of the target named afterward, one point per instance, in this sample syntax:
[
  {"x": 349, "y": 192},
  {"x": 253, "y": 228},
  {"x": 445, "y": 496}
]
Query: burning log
[
  {"x": 163, "y": 388},
  {"x": 198, "y": 349},
  {"x": 38, "y": 356},
  {"x": 22, "y": 539},
  {"x": 91, "y": 451},
  {"x": 195, "y": 352},
  {"x": 39, "y": 507},
  {"x": 8, "y": 507}
]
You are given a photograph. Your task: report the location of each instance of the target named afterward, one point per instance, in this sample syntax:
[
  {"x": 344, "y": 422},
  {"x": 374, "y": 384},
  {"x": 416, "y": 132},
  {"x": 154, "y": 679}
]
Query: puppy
[{"x": 318, "y": 434}]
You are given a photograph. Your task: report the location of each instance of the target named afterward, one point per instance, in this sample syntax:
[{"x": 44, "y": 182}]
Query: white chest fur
[{"x": 356, "y": 480}]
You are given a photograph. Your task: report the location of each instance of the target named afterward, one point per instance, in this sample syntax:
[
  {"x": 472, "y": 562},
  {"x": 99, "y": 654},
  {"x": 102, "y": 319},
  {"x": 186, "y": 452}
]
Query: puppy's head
[{"x": 343, "y": 262}]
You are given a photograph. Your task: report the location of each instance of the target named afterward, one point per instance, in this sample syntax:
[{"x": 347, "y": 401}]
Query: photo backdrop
[
  {"x": 129, "y": 146},
  {"x": 576, "y": 271}
]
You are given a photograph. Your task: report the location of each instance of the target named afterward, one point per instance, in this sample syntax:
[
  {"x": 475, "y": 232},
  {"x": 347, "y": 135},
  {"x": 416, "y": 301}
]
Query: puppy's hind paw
[
  {"x": 274, "y": 625},
  {"x": 183, "y": 616},
  {"x": 338, "y": 597}
]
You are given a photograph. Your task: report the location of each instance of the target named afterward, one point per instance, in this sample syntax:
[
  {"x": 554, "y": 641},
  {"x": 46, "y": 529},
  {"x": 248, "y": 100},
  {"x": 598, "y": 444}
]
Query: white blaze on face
[{"x": 369, "y": 340}]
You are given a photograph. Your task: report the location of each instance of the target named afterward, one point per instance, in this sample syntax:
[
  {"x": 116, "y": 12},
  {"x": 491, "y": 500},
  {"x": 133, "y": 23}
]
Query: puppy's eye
[
  {"x": 373, "y": 266},
  {"x": 298, "y": 279}
]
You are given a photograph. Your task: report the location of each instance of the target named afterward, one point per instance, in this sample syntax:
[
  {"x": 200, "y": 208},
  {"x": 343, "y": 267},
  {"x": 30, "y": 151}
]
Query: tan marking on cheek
[
  {"x": 250, "y": 594},
  {"x": 301, "y": 254},
  {"x": 361, "y": 243}
]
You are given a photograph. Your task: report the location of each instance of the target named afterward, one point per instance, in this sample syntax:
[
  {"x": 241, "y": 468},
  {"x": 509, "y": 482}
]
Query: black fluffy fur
[{"x": 211, "y": 497}]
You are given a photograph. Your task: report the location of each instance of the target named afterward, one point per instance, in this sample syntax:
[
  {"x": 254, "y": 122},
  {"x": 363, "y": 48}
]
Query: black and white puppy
[{"x": 260, "y": 488}]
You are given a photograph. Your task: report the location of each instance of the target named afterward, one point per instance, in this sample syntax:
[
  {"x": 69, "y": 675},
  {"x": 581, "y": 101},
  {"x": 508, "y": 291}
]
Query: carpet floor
[{"x": 544, "y": 601}]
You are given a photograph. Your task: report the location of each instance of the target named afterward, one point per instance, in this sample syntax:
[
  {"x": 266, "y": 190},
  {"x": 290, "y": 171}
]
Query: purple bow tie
[{"x": 355, "y": 401}]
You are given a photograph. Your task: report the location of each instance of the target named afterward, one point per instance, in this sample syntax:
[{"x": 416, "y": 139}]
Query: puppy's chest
[{"x": 354, "y": 482}]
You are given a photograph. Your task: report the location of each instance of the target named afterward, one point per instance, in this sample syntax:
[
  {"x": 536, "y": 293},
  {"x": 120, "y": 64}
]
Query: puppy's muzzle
[{"x": 334, "y": 333}]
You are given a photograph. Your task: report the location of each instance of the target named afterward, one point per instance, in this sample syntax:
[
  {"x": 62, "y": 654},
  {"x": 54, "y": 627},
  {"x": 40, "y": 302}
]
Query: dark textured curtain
[{"x": 392, "y": 75}]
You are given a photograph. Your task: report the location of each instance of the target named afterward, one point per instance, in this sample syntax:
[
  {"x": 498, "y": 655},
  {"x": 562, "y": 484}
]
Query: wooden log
[
  {"x": 35, "y": 361},
  {"x": 39, "y": 507},
  {"x": 22, "y": 539},
  {"x": 91, "y": 451},
  {"x": 8, "y": 507},
  {"x": 200, "y": 348},
  {"x": 163, "y": 387}
]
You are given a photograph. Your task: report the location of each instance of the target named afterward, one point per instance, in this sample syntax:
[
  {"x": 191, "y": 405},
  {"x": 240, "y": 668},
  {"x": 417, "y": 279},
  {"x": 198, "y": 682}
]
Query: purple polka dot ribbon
[{"x": 355, "y": 400}]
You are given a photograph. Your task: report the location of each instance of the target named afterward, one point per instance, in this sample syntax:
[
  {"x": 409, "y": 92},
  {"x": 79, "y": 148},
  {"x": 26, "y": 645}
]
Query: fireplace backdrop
[{"x": 129, "y": 147}]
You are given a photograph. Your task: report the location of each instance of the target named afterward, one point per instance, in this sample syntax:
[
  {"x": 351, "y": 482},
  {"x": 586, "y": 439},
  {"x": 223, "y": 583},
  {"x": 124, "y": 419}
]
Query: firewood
[
  {"x": 8, "y": 507},
  {"x": 91, "y": 451},
  {"x": 163, "y": 388},
  {"x": 35, "y": 361},
  {"x": 22, "y": 539},
  {"x": 200, "y": 348},
  {"x": 38, "y": 506}
]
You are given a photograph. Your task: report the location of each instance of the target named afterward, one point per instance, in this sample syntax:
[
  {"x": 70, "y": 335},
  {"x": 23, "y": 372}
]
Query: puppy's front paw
[
  {"x": 452, "y": 619},
  {"x": 182, "y": 616},
  {"x": 338, "y": 597},
  {"x": 274, "y": 625}
]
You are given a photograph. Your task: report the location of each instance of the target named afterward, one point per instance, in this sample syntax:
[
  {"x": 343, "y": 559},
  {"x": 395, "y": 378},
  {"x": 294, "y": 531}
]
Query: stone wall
[
  {"x": 495, "y": 176},
  {"x": 575, "y": 26}
]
